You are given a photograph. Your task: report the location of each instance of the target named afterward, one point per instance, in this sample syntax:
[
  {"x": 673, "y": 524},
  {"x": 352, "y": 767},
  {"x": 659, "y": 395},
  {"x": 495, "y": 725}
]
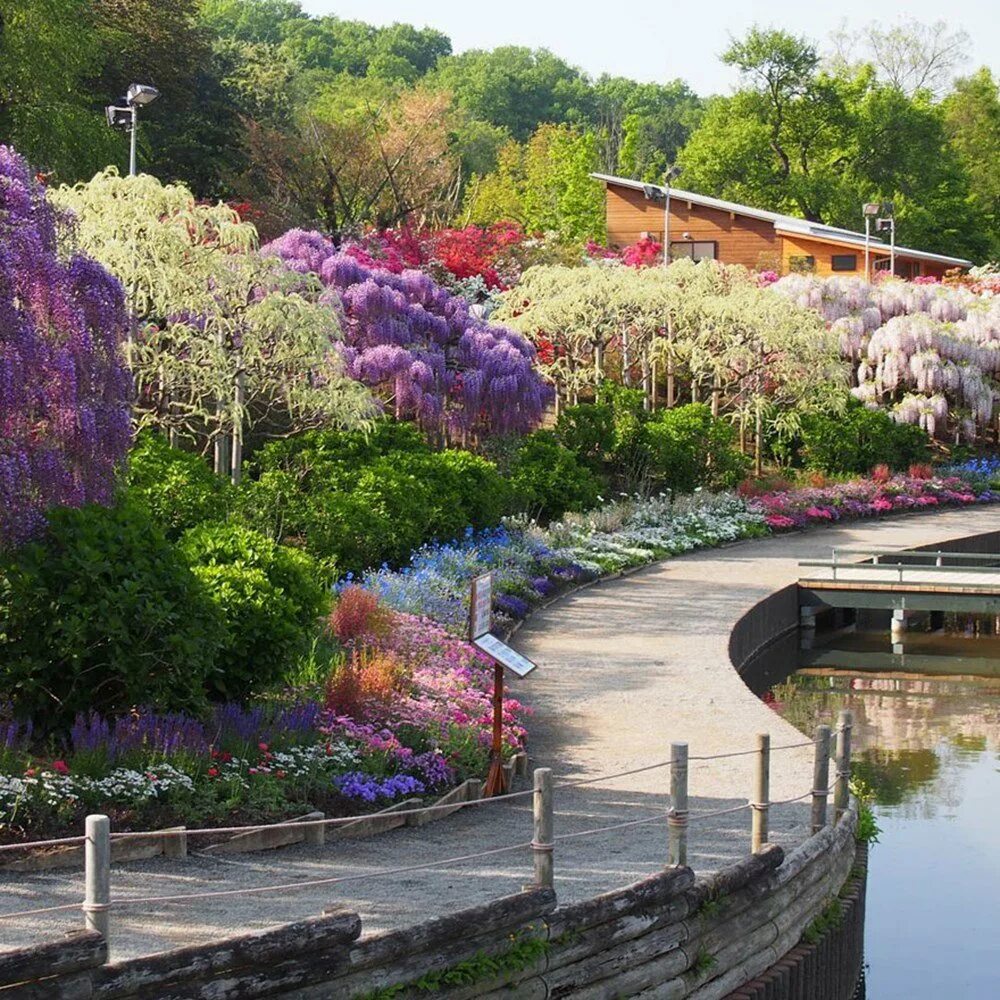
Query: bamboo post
[
  {"x": 97, "y": 875},
  {"x": 821, "y": 778},
  {"x": 677, "y": 818},
  {"x": 842, "y": 790},
  {"x": 541, "y": 843},
  {"x": 761, "y": 793}
]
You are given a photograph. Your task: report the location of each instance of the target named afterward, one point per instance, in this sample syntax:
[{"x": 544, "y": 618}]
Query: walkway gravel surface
[{"x": 626, "y": 667}]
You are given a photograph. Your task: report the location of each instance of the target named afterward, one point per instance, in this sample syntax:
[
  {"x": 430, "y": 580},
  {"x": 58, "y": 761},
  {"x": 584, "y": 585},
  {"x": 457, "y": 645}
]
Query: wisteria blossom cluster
[
  {"x": 929, "y": 353},
  {"x": 64, "y": 388},
  {"x": 784, "y": 510},
  {"x": 422, "y": 347}
]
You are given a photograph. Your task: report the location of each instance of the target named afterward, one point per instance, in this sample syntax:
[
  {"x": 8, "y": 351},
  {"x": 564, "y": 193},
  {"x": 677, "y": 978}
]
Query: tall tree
[
  {"x": 799, "y": 140},
  {"x": 516, "y": 88},
  {"x": 544, "y": 185},
  {"x": 972, "y": 119},
  {"x": 48, "y": 50},
  {"x": 908, "y": 55}
]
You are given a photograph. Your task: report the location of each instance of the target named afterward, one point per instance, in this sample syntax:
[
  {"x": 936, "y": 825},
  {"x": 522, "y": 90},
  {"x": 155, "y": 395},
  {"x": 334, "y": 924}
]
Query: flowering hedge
[{"x": 784, "y": 510}]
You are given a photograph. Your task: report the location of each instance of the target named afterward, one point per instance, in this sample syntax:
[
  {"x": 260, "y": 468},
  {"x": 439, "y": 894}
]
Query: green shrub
[
  {"x": 354, "y": 502},
  {"x": 588, "y": 430},
  {"x": 547, "y": 479},
  {"x": 270, "y": 598},
  {"x": 858, "y": 440},
  {"x": 103, "y": 613},
  {"x": 688, "y": 447},
  {"x": 177, "y": 489}
]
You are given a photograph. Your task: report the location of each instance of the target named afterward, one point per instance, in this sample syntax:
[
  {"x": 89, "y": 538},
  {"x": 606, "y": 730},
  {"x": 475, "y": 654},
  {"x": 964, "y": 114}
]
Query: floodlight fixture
[
  {"x": 871, "y": 208},
  {"x": 141, "y": 94},
  {"x": 125, "y": 115},
  {"x": 652, "y": 192},
  {"x": 673, "y": 173}
]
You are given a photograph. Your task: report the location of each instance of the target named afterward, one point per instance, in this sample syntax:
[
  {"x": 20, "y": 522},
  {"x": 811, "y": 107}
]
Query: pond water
[{"x": 928, "y": 747}]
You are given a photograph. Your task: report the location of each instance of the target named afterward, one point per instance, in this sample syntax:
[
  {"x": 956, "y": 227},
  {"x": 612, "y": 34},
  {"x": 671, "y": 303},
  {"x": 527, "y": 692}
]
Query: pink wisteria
[{"x": 430, "y": 357}]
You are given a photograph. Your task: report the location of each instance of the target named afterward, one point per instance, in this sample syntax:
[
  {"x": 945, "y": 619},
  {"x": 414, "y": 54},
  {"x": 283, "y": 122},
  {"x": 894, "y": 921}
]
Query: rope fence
[{"x": 98, "y": 903}]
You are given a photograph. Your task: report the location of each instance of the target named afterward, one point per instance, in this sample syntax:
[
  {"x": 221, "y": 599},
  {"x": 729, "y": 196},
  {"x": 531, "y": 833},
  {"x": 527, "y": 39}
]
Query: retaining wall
[{"x": 670, "y": 936}]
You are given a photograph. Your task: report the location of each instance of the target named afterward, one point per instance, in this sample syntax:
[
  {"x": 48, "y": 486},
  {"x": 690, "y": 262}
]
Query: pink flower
[{"x": 60, "y": 766}]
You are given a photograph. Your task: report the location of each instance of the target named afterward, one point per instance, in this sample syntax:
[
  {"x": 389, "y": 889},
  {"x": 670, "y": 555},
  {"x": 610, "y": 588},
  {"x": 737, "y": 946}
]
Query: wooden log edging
[
  {"x": 280, "y": 834},
  {"x": 671, "y": 936}
]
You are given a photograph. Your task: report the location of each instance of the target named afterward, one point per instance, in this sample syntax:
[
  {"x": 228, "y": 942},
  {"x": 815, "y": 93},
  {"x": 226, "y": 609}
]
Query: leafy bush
[
  {"x": 547, "y": 479},
  {"x": 269, "y": 596},
  {"x": 588, "y": 430},
  {"x": 103, "y": 613},
  {"x": 355, "y": 502},
  {"x": 688, "y": 447},
  {"x": 177, "y": 489},
  {"x": 859, "y": 439}
]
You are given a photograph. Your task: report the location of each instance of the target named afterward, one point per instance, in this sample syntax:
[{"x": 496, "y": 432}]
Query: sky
[{"x": 658, "y": 41}]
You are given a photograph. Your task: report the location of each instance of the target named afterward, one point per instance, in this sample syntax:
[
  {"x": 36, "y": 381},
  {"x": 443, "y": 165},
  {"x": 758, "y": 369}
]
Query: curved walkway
[{"x": 626, "y": 667}]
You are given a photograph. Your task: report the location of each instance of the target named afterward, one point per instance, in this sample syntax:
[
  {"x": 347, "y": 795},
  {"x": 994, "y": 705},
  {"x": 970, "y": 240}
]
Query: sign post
[{"x": 504, "y": 658}]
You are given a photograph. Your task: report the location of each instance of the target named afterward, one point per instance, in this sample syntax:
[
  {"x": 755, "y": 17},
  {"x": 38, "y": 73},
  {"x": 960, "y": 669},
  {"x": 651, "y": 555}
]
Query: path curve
[{"x": 626, "y": 667}]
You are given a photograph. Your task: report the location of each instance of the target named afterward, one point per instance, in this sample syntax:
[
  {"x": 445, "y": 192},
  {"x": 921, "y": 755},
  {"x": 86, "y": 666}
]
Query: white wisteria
[{"x": 928, "y": 353}]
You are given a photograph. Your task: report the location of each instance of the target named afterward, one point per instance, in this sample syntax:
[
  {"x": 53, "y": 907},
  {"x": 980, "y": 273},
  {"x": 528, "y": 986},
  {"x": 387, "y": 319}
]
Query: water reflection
[{"x": 927, "y": 747}]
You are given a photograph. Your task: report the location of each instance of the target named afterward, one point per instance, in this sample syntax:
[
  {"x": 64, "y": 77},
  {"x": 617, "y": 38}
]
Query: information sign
[
  {"x": 481, "y": 606},
  {"x": 502, "y": 654}
]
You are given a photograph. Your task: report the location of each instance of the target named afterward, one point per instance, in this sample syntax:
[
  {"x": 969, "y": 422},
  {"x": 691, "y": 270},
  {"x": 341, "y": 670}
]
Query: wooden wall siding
[
  {"x": 654, "y": 936},
  {"x": 795, "y": 246},
  {"x": 740, "y": 238}
]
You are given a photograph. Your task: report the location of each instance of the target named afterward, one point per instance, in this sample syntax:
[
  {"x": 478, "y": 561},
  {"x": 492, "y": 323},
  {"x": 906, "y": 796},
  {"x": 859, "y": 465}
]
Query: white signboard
[
  {"x": 501, "y": 653},
  {"x": 481, "y": 606}
]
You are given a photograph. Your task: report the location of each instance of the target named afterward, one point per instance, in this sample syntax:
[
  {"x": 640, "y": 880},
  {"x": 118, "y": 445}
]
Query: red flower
[
  {"x": 30, "y": 773},
  {"x": 262, "y": 747},
  {"x": 60, "y": 766},
  {"x": 279, "y": 774},
  {"x": 213, "y": 772}
]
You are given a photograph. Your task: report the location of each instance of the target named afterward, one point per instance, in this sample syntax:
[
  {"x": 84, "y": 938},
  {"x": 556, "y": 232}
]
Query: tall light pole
[
  {"x": 672, "y": 174},
  {"x": 870, "y": 210},
  {"x": 889, "y": 222},
  {"x": 126, "y": 115}
]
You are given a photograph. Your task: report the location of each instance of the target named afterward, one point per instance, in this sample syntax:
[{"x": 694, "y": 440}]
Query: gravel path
[{"x": 626, "y": 667}]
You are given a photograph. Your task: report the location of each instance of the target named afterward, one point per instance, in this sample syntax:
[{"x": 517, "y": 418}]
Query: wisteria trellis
[
  {"x": 64, "y": 388},
  {"x": 929, "y": 352},
  {"x": 421, "y": 345}
]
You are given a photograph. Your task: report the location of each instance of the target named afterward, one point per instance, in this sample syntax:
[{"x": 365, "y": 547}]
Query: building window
[
  {"x": 845, "y": 262},
  {"x": 694, "y": 249},
  {"x": 802, "y": 264}
]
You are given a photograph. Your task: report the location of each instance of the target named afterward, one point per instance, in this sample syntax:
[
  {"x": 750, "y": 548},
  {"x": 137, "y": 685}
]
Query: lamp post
[
  {"x": 869, "y": 210},
  {"x": 126, "y": 115},
  {"x": 672, "y": 174}
]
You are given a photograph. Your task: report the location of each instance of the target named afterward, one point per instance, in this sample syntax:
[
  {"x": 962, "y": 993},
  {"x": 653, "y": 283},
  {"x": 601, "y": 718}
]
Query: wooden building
[{"x": 703, "y": 227}]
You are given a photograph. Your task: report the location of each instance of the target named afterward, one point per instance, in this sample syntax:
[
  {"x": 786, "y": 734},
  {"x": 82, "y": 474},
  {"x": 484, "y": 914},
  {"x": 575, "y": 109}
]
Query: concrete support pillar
[{"x": 898, "y": 625}]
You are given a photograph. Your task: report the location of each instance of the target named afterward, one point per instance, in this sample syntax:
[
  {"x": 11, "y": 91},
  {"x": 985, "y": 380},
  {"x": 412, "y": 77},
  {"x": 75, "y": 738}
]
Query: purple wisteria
[
  {"x": 421, "y": 346},
  {"x": 64, "y": 387}
]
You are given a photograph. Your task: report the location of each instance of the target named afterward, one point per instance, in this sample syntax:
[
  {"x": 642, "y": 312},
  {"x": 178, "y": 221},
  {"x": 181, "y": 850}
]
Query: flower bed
[
  {"x": 785, "y": 510},
  {"x": 407, "y": 709},
  {"x": 419, "y": 719}
]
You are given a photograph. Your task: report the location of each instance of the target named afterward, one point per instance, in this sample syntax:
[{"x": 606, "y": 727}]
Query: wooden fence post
[
  {"x": 821, "y": 778},
  {"x": 761, "y": 793},
  {"x": 97, "y": 875},
  {"x": 677, "y": 818},
  {"x": 541, "y": 843},
  {"x": 842, "y": 789}
]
